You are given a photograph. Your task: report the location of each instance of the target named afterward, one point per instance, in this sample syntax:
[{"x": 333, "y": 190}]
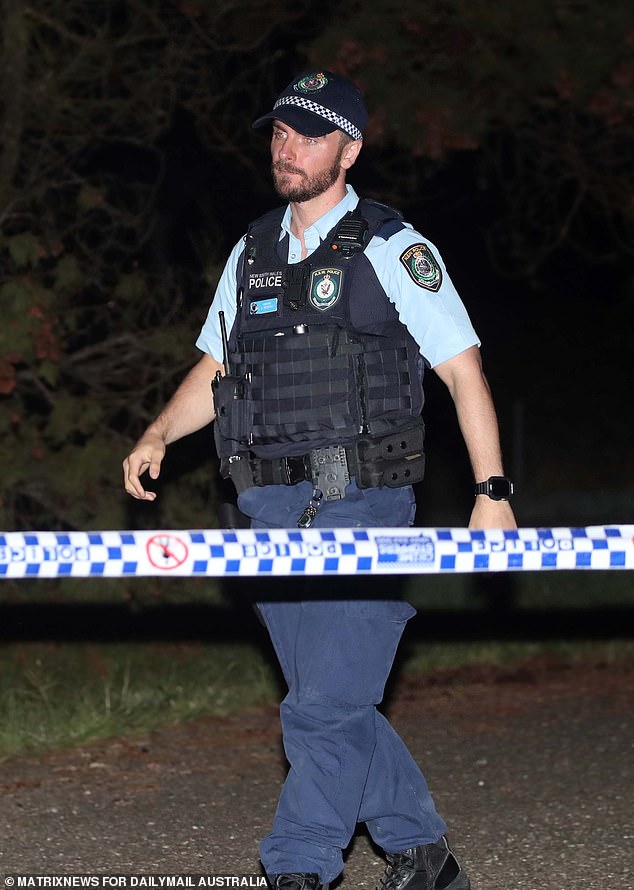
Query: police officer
[{"x": 325, "y": 318}]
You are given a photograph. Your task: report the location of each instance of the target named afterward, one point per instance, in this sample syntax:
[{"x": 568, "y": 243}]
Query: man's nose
[{"x": 288, "y": 149}]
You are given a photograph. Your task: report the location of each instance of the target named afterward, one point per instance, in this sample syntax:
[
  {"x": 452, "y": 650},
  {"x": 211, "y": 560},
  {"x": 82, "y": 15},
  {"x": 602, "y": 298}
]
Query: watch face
[{"x": 500, "y": 488}]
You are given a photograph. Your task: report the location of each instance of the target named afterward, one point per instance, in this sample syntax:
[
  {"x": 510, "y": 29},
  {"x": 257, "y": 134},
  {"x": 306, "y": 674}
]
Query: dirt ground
[{"x": 531, "y": 769}]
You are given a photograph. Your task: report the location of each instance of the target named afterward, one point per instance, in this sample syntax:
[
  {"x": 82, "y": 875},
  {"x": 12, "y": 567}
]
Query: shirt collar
[{"x": 326, "y": 222}]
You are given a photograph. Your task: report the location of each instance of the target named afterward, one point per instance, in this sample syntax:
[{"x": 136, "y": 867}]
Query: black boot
[
  {"x": 299, "y": 881},
  {"x": 427, "y": 867}
]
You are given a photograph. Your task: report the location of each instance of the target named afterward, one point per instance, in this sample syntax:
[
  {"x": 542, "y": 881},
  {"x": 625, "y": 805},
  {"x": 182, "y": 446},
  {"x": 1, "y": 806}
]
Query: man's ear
[{"x": 351, "y": 153}]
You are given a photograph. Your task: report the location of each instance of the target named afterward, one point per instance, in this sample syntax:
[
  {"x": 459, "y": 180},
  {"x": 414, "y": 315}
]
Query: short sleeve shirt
[{"x": 427, "y": 304}]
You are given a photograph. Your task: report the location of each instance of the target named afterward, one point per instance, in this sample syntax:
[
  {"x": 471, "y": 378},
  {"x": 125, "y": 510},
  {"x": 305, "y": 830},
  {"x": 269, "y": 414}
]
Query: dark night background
[{"x": 128, "y": 169}]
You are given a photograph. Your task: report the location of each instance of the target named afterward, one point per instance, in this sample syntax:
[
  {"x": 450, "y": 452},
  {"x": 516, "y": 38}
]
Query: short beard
[{"x": 309, "y": 187}]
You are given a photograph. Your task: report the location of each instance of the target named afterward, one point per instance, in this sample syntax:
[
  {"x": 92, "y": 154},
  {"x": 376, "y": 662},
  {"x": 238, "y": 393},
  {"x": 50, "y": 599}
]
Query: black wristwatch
[{"x": 498, "y": 488}]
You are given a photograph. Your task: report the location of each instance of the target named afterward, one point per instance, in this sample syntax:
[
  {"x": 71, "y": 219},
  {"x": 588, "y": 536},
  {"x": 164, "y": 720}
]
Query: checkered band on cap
[{"x": 341, "y": 122}]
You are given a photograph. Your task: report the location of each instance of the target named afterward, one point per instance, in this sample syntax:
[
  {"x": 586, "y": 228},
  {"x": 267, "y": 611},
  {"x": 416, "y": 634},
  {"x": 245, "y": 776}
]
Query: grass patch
[
  {"x": 426, "y": 658},
  {"x": 58, "y": 695}
]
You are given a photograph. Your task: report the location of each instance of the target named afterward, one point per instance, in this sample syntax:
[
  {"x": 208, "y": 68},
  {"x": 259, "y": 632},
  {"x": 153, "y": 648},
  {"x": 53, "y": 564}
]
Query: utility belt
[{"x": 394, "y": 460}]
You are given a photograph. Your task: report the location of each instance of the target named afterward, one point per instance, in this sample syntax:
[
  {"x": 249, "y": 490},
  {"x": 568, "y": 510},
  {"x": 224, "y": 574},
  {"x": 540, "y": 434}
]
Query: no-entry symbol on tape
[{"x": 166, "y": 551}]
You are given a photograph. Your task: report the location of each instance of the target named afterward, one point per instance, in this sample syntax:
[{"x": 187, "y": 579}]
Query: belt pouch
[
  {"x": 238, "y": 469},
  {"x": 393, "y": 461}
]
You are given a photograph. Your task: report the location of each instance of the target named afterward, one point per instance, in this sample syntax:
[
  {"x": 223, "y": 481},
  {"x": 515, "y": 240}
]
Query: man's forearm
[
  {"x": 475, "y": 411},
  {"x": 470, "y": 391},
  {"x": 191, "y": 406},
  {"x": 479, "y": 426}
]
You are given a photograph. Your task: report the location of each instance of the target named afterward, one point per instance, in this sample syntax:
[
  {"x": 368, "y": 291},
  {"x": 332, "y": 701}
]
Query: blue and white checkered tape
[{"x": 249, "y": 552}]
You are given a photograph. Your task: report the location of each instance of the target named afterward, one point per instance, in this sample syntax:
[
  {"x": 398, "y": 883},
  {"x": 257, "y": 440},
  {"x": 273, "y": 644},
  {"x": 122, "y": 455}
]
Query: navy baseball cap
[{"x": 320, "y": 102}]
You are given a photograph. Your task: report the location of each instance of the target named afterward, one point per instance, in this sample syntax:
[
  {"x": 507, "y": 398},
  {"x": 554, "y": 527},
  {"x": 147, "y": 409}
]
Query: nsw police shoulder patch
[
  {"x": 325, "y": 288},
  {"x": 422, "y": 266}
]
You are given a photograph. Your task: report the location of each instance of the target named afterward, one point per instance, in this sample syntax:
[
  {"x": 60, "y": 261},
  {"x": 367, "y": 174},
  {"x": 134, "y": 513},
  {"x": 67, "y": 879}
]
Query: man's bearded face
[{"x": 303, "y": 186}]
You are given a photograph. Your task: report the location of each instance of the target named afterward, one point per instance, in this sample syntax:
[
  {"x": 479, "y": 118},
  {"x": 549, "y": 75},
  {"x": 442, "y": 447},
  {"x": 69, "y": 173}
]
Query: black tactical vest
[{"x": 317, "y": 349}]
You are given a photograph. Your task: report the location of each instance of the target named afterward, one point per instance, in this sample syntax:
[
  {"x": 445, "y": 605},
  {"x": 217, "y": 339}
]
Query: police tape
[{"x": 283, "y": 552}]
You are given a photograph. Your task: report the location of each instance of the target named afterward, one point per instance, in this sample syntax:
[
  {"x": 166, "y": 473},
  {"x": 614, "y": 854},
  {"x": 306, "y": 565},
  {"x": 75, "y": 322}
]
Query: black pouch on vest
[
  {"x": 234, "y": 413},
  {"x": 296, "y": 286},
  {"x": 394, "y": 460}
]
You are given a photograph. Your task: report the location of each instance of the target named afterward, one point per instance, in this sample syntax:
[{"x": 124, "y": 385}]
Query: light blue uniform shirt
[{"x": 437, "y": 320}]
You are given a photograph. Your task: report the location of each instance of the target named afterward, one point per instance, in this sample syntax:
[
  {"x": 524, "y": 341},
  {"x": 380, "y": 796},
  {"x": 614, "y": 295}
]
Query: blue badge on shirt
[{"x": 263, "y": 307}]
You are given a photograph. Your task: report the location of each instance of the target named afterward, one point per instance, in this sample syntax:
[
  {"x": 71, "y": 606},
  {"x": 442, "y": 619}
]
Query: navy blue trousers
[{"x": 336, "y": 641}]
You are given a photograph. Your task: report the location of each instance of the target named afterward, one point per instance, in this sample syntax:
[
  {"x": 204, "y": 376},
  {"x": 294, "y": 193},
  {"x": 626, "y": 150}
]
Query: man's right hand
[
  {"x": 147, "y": 454},
  {"x": 190, "y": 409}
]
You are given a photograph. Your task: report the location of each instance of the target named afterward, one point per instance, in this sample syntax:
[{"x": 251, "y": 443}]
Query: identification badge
[
  {"x": 325, "y": 288},
  {"x": 263, "y": 307}
]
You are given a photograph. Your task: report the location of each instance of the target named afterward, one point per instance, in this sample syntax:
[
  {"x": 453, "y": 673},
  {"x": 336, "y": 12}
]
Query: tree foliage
[
  {"x": 542, "y": 90},
  {"x": 97, "y": 325},
  {"x": 104, "y": 282}
]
